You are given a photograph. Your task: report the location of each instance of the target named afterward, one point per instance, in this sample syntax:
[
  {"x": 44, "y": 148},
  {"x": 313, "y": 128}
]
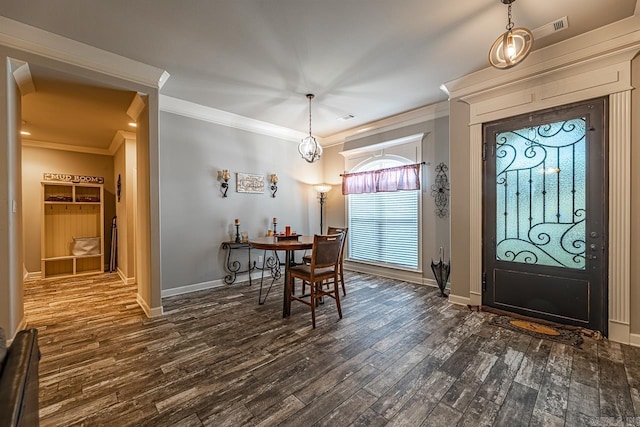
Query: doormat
[{"x": 537, "y": 330}]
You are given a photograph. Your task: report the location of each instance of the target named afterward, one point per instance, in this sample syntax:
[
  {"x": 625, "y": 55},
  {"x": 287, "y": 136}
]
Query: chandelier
[
  {"x": 511, "y": 47},
  {"x": 309, "y": 148}
]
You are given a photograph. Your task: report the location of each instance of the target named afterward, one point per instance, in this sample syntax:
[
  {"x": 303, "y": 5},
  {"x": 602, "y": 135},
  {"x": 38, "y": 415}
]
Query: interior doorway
[
  {"x": 545, "y": 215},
  {"x": 61, "y": 136}
]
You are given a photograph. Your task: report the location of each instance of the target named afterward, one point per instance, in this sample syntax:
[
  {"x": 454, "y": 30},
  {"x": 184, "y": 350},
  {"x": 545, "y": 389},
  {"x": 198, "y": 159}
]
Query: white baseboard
[
  {"x": 22, "y": 325},
  {"x": 459, "y": 300},
  {"x": 125, "y": 279},
  {"x": 207, "y": 285},
  {"x": 150, "y": 312},
  {"x": 34, "y": 275},
  {"x": 619, "y": 332},
  {"x": 634, "y": 340},
  {"x": 192, "y": 288}
]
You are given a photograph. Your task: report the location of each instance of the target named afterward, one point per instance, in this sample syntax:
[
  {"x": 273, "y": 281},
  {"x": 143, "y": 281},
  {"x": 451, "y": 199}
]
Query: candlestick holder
[
  {"x": 238, "y": 239},
  {"x": 275, "y": 224}
]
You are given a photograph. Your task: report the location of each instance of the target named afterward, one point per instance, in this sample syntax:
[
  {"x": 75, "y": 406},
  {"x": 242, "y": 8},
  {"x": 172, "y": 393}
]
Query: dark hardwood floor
[{"x": 400, "y": 356}]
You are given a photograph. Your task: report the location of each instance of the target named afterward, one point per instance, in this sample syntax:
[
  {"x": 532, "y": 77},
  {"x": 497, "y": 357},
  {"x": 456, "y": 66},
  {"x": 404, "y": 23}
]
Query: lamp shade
[{"x": 322, "y": 188}]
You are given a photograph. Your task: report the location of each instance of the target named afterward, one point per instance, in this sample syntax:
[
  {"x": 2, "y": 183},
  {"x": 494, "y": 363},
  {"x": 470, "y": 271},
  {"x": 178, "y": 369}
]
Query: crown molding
[
  {"x": 24, "y": 37},
  {"x": 383, "y": 145},
  {"x": 136, "y": 106},
  {"x": 120, "y": 137},
  {"x": 419, "y": 115},
  {"x": 22, "y": 75},
  {"x": 64, "y": 147},
  {"x": 213, "y": 115},
  {"x": 622, "y": 37}
]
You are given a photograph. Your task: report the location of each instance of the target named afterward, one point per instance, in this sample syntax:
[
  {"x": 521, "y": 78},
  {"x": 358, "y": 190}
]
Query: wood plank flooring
[{"x": 400, "y": 356}]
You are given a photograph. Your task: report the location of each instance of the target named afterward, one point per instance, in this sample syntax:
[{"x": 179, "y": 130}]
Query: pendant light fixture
[
  {"x": 511, "y": 47},
  {"x": 309, "y": 148}
]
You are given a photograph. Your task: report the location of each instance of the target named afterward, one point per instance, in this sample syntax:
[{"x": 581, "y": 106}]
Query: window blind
[{"x": 383, "y": 228}]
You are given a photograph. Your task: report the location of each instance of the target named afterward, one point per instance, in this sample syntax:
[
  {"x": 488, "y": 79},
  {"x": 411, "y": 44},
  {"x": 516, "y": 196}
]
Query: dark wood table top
[{"x": 271, "y": 243}]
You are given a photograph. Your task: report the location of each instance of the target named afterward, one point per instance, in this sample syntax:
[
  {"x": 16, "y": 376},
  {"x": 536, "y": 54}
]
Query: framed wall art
[{"x": 249, "y": 183}]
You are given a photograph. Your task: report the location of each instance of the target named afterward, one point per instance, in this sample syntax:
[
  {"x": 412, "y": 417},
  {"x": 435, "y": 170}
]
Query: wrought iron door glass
[{"x": 540, "y": 194}]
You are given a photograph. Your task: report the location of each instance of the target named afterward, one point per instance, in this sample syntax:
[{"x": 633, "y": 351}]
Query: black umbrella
[{"x": 441, "y": 272}]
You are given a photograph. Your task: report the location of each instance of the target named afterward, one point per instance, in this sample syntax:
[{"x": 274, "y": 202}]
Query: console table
[{"x": 234, "y": 267}]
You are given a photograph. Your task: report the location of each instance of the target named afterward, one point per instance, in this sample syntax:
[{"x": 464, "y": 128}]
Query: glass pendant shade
[
  {"x": 511, "y": 48},
  {"x": 309, "y": 148}
]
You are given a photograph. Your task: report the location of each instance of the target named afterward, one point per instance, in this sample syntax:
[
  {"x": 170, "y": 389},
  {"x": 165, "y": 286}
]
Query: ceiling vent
[
  {"x": 550, "y": 28},
  {"x": 346, "y": 118}
]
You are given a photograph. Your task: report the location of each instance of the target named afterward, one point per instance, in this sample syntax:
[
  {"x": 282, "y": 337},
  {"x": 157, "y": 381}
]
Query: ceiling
[{"x": 258, "y": 58}]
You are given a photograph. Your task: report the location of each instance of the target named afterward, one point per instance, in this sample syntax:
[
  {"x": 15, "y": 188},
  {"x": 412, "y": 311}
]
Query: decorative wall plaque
[
  {"x": 65, "y": 177},
  {"x": 249, "y": 183},
  {"x": 440, "y": 190}
]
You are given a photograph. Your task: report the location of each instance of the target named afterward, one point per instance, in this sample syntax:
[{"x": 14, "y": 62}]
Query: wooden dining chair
[
  {"x": 325, "y": 257},
  {"x": 334, "y": 230}
]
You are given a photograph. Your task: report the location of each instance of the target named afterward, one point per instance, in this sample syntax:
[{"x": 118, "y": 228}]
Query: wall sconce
[
  {"x": 223, "y": 178},
  {"x": 273, "y": 179}
]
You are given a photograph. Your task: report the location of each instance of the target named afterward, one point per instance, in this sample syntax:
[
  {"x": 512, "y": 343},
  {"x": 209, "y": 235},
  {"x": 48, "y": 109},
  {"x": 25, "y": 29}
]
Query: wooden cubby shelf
[{"x": 71, "y": 211}]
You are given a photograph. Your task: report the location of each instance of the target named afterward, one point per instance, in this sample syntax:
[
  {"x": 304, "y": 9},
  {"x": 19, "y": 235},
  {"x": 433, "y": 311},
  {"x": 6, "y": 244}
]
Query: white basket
[{"x": 84, "y": 246}]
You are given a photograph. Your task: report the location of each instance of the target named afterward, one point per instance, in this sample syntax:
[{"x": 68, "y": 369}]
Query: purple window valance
[{"x": 398, "y": 178}]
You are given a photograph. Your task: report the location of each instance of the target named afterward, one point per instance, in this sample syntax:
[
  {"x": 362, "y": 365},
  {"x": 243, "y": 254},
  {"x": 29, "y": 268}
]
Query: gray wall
[
  {"x": 435, "y": 149},
  {"x": 195, "y": 219}
]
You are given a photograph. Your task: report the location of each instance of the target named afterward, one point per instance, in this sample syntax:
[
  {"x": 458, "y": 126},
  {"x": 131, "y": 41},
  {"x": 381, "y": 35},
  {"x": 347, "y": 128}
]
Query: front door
[{"x": 545, "y": 198}]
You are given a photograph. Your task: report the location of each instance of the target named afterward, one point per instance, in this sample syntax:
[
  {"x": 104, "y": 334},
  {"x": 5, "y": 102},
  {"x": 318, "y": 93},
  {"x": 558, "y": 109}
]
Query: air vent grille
[{"x": 550, "y": 28}]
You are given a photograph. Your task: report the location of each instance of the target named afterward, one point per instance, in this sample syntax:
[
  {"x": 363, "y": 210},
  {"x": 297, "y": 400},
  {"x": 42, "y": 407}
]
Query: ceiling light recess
[
  {"x": 513, "y": 46},
  {"x": 309, "y": 148}
]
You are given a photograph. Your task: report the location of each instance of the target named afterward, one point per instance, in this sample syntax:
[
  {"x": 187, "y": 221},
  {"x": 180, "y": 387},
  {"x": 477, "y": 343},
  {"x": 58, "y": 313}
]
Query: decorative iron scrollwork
[
  {"x": 440, "y": 190},
  {"x": 541, "y": 194}
]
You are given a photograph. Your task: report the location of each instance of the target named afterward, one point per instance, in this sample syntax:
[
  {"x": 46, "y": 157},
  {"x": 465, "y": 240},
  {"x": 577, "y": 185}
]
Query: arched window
[{"x": 383, "y": 227}]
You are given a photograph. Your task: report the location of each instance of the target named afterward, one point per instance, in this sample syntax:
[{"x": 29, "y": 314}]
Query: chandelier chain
[
  {"x": 510, "y": 24},
  {"x": 310, "y": 98}
]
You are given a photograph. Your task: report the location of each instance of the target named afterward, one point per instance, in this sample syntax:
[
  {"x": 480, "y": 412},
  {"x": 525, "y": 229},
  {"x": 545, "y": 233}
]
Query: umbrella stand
[{"x": 441, "y": 272}]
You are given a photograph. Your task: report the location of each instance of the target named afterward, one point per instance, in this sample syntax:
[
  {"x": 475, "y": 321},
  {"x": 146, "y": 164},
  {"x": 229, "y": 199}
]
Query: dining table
[{"x": 288, "y": 244}]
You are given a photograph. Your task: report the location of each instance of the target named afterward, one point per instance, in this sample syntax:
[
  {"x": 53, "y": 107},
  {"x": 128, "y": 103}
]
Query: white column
[
  {"x": 475, "y": 214},
  {"x": 619, "y": 215}
]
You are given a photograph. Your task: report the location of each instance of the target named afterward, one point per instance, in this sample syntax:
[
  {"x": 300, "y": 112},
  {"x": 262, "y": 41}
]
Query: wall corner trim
[
  {"x": 150, "y": 312},
  {"x": 126, "y": 280}
]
